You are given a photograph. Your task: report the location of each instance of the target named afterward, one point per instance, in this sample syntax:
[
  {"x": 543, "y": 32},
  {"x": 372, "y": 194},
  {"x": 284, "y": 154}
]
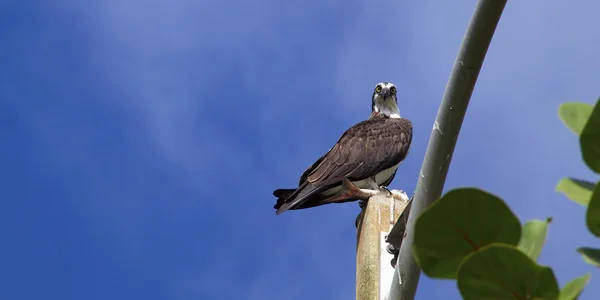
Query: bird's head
[{"x": 385, "y": 101}]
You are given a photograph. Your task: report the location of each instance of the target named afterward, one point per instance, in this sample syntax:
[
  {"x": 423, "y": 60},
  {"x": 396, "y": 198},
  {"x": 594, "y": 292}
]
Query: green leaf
[
  {"x": 592, "y": 216},
  {"x": 533, "y": 237},
  {"x": 573, "y": 289},
  {"x": 577, "y": 190},
  {"x": 461, "y": 222},
  {"x": 503, "y": 272},
  {"x": 590, "y": 255},
  {"x": 590, "y": 140},
  {"x": 575, "y": 115}
]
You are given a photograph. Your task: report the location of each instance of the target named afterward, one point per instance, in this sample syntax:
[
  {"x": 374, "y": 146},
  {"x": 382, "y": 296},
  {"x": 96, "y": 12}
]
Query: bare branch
[{"x": 443, "y": 139}]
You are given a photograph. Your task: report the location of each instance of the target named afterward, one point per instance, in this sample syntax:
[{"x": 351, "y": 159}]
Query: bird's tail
[
  {"x": 295, "y": 202},
  {"x": 294, "y": 199},
  {"x": 281, "y": 195}
]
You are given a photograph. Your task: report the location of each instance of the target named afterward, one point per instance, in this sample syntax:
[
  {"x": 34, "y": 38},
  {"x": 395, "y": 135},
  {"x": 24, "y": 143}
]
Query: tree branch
[{"x": 443, "y": 139}]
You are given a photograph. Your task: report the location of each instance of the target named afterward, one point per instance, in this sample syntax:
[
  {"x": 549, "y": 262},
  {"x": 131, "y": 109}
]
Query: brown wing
[
  {"x": 364, "y": 150},
  {"x": 311, "y": 168}
]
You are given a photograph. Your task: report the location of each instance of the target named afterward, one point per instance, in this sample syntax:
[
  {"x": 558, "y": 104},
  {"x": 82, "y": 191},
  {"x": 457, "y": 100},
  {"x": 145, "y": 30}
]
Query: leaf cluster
[
  {"x": 473, "y": 237},
  {"x": 584, "y": 120}
]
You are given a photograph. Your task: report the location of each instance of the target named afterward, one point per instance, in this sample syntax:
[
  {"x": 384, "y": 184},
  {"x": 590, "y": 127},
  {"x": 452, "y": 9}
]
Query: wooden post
[{"x": 374, "y": 271}]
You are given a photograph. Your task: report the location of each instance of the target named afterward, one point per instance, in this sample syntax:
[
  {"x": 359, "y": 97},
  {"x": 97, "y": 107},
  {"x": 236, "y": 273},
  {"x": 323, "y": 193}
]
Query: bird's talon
[{"x": 385, "y": 189}]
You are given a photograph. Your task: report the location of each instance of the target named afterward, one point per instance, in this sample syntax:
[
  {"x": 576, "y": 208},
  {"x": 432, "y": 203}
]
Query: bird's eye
[
  {"x": 378, "y": 89},
  {"x": 393, "y": 90}
]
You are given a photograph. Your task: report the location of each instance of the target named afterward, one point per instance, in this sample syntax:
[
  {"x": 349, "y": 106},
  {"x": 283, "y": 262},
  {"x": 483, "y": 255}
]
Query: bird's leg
[
  {"x": 373, "y": 184},
  {"x": 350, "y": 191}
]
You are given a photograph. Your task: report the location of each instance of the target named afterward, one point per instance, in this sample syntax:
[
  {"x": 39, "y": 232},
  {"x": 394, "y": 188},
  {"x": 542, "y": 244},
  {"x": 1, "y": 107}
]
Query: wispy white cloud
[
  {"x": 179, "y": 63},
  {"x": 184, "y": 68}
]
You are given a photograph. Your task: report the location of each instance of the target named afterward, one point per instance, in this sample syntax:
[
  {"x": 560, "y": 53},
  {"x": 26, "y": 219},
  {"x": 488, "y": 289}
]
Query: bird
[{"x": 362, "y": 162}]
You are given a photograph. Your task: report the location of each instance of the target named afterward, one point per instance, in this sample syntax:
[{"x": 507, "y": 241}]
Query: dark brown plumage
[{"x": 364, "y": 150}]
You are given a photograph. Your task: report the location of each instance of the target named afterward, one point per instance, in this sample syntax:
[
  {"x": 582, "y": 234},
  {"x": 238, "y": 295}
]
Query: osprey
[{"x": 362, "y": 162}]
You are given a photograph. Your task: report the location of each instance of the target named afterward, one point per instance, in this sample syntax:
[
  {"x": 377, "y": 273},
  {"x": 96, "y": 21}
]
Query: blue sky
[{"x": 143, "y": 139}]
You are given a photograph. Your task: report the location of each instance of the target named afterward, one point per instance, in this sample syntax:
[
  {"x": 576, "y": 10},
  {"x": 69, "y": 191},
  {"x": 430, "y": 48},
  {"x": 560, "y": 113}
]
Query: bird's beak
[{"x": 385, "y": 92}]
